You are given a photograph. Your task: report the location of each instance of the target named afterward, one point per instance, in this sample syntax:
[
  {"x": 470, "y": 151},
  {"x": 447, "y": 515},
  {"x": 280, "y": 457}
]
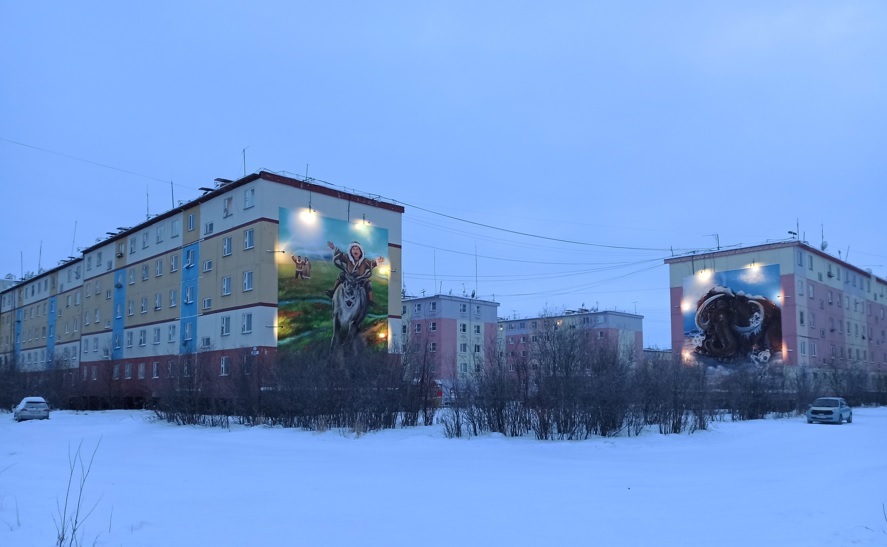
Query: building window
[
  {"x": 463, "y": 327},
  {"x": 171, "y": 333},
  {"x": 477, "y": 348},
  {"x": 191, "y": 222},
  {"x": 463, "y": 308},
  {"x": 174, "y": 263},
  {"x": 249, "y": 198},
  {"x": 246, "y": 325},
  {"x": 173, "y": 298},
  {"x": 158, "y": 267},
  {"x": 144, "y": 305},
  {"x": 226, "y": 325},
  {"x": 207, "y": 303},
  {"x": 207, "y": 228},
  {"x": 159, "y": 234},
  {"x": 433, "y": 347},
  {"x": 226, "y": 285},
  {"x": 418, "y": 328},
  {"x": 433, "y": 306},
  {"x": 207, "y": 265},
  {"x": 463, "y": 368},
  {"x": 158, "y": 301},
  {"x": 432, "y": 326},
  {"x": 129, "y": 307},
  {"x": 132, "y": 276},
  {"x": 223, "y": 366},
  {"x": 463, "y": 347},
  {"x": 227, "y": 206},
  {"x": 142, "y": 337},
  {"x": 477, "y": 329},
  {"x": 128, "y": 371},
  {"x": 144, "y": 240},
  {"x": 175, "y": 228},
  {"x": 226, "y": 246},
  {"x": 156, "y": 335},
  {"x": 116, "y": 374},
  {"x": 141, "y": 371},
  {"x": 132, "y": 245},
  {"x": 189, "y": 295},
  {"x": 188, "y": 334},
  {"x": 418, "y": 308},
  {"x": 247, "y": 281},
  {"x": 188, "y": 259},
  {"x": 249, "y": 239},
  {"x": 155, "y": 370}
]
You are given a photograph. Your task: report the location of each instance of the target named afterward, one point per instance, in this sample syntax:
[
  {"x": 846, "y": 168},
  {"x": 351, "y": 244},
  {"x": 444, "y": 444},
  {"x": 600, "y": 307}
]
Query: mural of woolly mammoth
[{"x": 735, "y": 326}]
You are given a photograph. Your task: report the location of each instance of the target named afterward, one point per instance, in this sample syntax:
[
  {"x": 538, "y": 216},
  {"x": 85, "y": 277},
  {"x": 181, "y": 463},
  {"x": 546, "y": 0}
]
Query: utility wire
[{"x": 93, "y": 162}]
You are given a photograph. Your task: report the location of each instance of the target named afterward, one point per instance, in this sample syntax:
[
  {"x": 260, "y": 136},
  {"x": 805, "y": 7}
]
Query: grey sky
[{"x": 642, "y": 127}]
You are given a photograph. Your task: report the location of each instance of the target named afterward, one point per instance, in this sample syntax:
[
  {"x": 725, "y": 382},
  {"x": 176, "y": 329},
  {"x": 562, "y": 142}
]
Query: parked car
[
  {"x": 829, "y": 409},
  {"x": 31, "y": 408}
]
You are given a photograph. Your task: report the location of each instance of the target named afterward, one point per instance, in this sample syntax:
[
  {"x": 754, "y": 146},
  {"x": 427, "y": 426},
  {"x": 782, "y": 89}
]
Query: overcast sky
[{"x": 631, "y": 130}]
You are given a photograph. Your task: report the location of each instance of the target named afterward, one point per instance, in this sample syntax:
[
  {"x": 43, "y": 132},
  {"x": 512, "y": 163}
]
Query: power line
[{"x": 69, "y": 156}]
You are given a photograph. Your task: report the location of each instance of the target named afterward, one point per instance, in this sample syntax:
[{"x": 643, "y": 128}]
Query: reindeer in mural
[{"x": 350, "y": 305}]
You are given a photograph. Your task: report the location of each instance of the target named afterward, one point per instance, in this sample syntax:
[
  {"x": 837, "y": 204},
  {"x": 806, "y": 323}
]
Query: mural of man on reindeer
[
  {"x": 352, "y": 293},
  {"x": 329, "y": 294}
]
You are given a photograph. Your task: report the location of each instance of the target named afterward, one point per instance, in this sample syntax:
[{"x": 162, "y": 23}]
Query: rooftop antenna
[
  {"x": 244, "y": 161},
  {"x": 172, "y": 195},
  {"x": 475, "y": 271},
  {"x": 147, "y": 203},
  {"x": 40, "y": 255},
  {"x": 74, "y": 238}
]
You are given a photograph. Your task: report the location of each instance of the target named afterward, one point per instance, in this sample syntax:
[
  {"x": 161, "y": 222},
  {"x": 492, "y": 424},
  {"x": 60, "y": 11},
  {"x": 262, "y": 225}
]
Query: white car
[
  {"x": 31, "y": 408},
  {"x": 829, "y": 409}
]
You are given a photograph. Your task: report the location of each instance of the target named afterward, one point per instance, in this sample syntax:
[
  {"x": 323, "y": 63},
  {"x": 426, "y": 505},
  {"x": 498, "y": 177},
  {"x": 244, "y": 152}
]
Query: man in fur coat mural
[{"x": 353, "y": 262}]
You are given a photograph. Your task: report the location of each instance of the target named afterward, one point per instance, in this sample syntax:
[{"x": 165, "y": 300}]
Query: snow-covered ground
[{"x": 769, "y": 482}]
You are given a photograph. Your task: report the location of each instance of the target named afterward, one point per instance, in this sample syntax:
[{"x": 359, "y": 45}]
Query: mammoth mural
[{"x": 735, "y": 326}]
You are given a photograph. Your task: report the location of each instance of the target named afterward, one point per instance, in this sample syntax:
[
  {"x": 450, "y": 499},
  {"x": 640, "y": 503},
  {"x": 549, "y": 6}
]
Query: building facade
[
  {"x": 453, "y": 336},
  {"x": 225, "y": 279},
  {"x": 623, "y": 332},
  {"x": 459, "y": 338},
  {"x": 784, "y": 303}
]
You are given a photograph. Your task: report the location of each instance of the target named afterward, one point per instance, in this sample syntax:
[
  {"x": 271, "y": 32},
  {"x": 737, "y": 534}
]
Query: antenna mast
[
  {"x": 475, "y": 268},
  {"x": 73, "y": 239}
]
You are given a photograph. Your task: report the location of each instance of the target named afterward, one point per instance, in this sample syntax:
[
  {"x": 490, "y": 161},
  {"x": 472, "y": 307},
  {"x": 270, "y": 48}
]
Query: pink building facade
[
  {"x": 455, "y": 335},
  {"x": 784, "y": 303}
]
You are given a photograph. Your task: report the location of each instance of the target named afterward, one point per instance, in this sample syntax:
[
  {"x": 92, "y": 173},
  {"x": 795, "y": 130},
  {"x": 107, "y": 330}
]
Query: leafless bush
[{"x": 72, "y": 514}]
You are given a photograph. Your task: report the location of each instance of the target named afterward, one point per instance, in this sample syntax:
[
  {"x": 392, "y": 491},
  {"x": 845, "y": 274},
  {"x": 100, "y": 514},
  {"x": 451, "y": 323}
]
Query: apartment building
[
  {"x": 460, "y": 337},
  {"x": 454, "y": 335},
  {"x": 621, "y": 331},
  {"x": 225, "y": 279},
  {"x": 785, "y": 303}
]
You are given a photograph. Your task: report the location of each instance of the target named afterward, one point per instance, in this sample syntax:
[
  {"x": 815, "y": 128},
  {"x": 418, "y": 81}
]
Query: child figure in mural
[
  {"x": 353, "y": 262},
  {"x": 300, "y": 266}
]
